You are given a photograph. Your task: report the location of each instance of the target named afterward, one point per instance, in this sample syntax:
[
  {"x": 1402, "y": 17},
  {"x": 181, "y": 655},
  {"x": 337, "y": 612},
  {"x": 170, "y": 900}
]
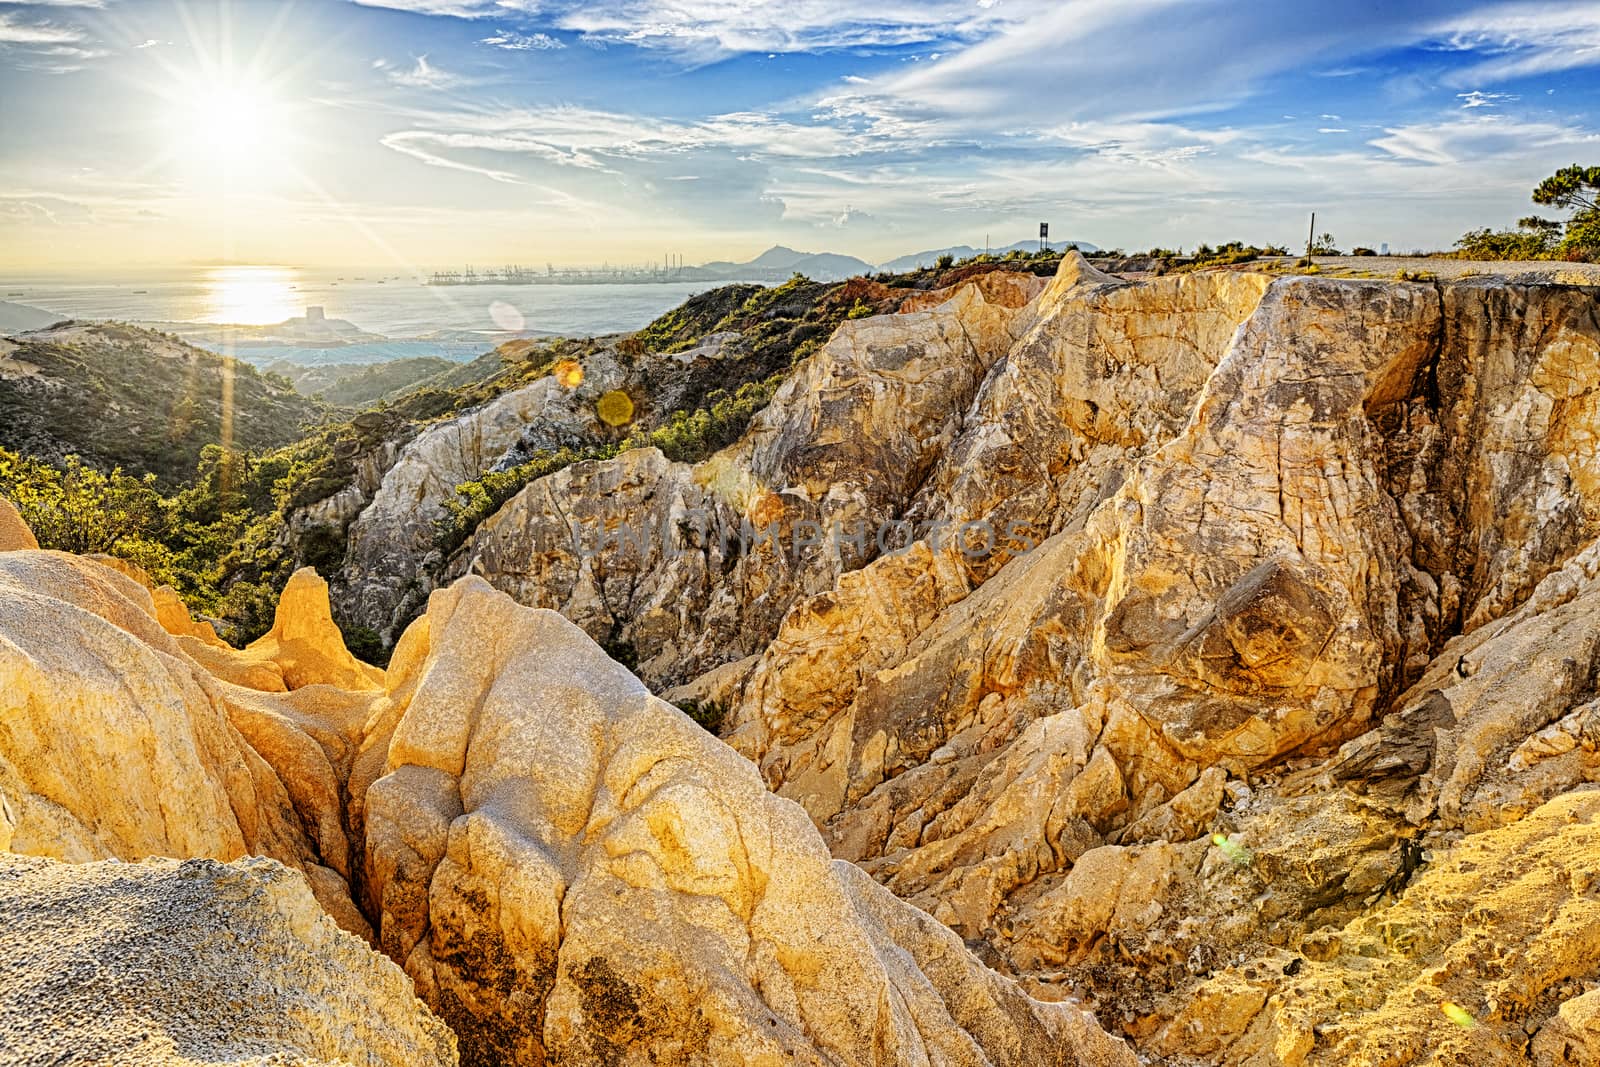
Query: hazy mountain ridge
[{"x": 777, "y": 263}]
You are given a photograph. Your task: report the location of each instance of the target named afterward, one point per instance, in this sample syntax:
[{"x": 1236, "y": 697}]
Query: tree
[
  {"x": 1573, "y": 187},
  {"x": 78, "y": 509},
  {"x": 1577, "y": 189},
  {"x": 1324, "y": 246}
]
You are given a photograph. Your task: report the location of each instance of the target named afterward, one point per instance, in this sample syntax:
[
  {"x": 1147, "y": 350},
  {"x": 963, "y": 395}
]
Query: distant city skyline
[{"x": 420, "y": 134}]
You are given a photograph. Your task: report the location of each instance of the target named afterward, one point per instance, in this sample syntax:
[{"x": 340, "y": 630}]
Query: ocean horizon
[{"x": 393, "y": 305}]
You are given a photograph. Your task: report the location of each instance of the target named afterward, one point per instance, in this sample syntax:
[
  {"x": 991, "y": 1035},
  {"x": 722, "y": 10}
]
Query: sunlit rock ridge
[{"x": 1253, "y": 706}]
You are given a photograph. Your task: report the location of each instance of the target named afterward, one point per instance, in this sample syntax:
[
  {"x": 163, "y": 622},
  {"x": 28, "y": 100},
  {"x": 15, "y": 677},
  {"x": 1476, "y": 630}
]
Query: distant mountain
[
  {"x": 960, "y": 252},
  {"x": 122, "y": 396},
  {"x": 778, "y": 263}
]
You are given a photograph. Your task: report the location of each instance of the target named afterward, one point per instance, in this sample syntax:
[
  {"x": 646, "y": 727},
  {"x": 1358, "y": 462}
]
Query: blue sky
[{"x": 434, "y": 132}]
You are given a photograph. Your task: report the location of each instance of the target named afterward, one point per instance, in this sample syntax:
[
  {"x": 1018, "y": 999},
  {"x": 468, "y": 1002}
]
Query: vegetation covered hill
[
  {"x": 359, "y": 385},
  {"x": 122, "y": 396}
]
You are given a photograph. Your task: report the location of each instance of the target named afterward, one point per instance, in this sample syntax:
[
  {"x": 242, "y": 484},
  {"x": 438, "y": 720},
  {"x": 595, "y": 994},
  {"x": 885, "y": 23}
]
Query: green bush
[
  {"x": 365, "y": 644},
  {"x": 690, "y": 437},
  {"x": 477, "y": 500},
  {"x": 79, "y": 509},
  {"x": 1526, "y": 242},
  {"x": 710, "y": 714}
]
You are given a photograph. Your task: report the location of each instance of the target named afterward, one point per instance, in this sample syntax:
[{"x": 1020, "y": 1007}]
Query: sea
[{"x": 457, "y": 322}]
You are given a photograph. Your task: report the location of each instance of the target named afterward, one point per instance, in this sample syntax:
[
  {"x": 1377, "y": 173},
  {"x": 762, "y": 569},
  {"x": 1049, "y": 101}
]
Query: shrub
[
  {"x": 365, "y": 644},
  {"x": 944, "y": 262},
  {"x": 1526, "y": 242},
  {"x": 78, "y": 509},
  {"x": 710, "y": 714},
  {"x": 477, "y": 500},
  {"x": 689, "y": 437}
]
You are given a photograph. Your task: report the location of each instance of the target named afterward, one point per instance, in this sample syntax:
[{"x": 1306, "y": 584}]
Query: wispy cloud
[
  {"x": 704, "y": 30},
  {"x": 1521, "y": 40},
  {"x": 1478, "y": 98},
  {"x": 13, "y": 30},
  {"x": 424, "y": 75},
  {"x": 413, "y": 144},
  {"x": 46, "y": 47},
  {"x": 1482, "y": 139},
  {"x": 523, "y": 42}
]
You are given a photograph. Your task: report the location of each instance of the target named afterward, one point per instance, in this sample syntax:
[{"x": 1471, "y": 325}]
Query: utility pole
[{"x": 1311, "y": 238}]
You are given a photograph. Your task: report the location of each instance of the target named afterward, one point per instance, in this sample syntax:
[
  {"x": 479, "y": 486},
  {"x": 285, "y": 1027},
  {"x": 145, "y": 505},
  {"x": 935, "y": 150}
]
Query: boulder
[
  {"x": 305, "y": 643},
  {"x": 195, "y": 963},
  {"x": 14, "y": 532}
]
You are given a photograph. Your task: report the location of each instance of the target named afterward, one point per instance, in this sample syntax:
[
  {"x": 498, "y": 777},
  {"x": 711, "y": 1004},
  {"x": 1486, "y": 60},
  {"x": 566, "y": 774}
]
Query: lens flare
[
  {"x": 615, "y": 408},
  {"x": 506, "y": 317},
  {"x": 569, "y": 372},
  {"x": 1230, "y": 848}
]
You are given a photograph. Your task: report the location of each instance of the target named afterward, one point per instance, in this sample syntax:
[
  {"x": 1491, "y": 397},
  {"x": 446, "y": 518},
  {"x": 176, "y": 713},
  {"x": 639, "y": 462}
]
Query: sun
[
  {"x": 230, "y": 123},
  {"x": 243, "y": 121}
]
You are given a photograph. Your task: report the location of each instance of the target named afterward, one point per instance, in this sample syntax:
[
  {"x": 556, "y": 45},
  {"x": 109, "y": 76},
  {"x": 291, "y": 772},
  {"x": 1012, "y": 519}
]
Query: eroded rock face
[
  {"x": 1228, "y": 604},
  {"x": 393, "y": 532},
  {"x": 199, "y": 962},
  {"x": 1271, "y": 558},
  {"x": 641, "y": 897},
  {"x": 1428, "y": 979},
  {"x": 693, "y": 567}
]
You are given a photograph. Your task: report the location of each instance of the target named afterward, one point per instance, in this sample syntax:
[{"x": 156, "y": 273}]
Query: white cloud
[
  {"x": 1477, "y": 98},
  {"x": 466, "y": 9},
  {"x": 853, "y": 218},
  {"x": 1484, "y": 139},
  {"x": 46, "y": 47},
  {"x": 523, "y": 42},
  {"x": 15, "y": 31},
  {"x": 424, "y": 75},
  {"x": 1522, "y": 40},
  {"x": 411, "y": 144},
  {"x": 705, "y": 30}
]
